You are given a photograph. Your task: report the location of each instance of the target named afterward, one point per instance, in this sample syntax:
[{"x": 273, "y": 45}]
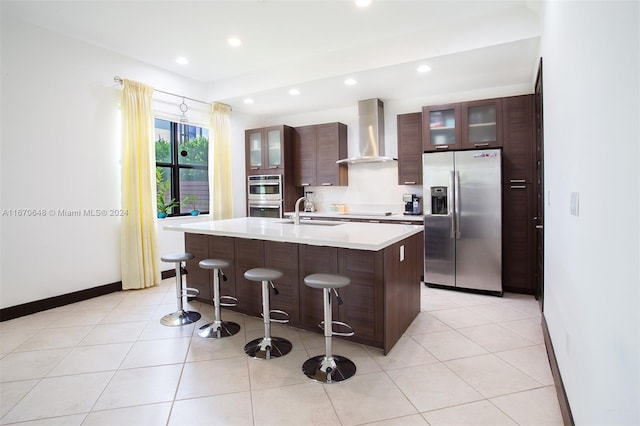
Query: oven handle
[
  {"x": 265, "y": 206},
  {"x": 263, "y": 183}
]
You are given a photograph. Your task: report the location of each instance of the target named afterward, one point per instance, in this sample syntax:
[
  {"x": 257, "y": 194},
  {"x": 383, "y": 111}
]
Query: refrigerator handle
[
  {"x": 452, "y": 206},
  {"x": 456, "y": 207}
]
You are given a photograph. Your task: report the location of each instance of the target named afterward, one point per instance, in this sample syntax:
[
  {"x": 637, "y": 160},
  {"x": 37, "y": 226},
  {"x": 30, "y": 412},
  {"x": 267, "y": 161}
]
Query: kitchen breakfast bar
[{"x": 383, "y": 261}]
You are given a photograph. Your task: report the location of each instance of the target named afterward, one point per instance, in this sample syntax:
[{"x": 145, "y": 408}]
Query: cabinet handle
[
  {"x": 518, "y": 186},
  {"x": 254, "y": 168},
  {"x": 478, "y": 145},
  {"x": 518, "y": 180},
  {"x": 413, "y": 182},
  {"x": 374, "y": 221},
  {"x": 326, "y": 184},
  {"x": 304, "y": 184},
  {"x": 273, "y": 167},
  {"x": 539, "y": 226},
  {"x": 442, "y": 147}
]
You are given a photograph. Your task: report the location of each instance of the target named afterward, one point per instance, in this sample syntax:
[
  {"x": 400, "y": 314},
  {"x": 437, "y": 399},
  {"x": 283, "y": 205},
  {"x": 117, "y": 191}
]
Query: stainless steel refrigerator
[{"x": 463, "y": 219}]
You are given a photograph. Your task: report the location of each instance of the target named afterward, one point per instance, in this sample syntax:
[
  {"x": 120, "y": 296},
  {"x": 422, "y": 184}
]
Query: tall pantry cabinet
[{"x": 518, "y": 200}]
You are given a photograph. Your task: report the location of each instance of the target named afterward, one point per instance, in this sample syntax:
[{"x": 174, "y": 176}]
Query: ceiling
[{"x": 310, "y": 45}]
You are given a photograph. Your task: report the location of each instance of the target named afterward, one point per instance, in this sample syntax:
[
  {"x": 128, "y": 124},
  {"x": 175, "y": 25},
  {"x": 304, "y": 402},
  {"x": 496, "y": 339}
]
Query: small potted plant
[
  {"x": 165, "y": 208},
  {"x": 192, "y": 200},
  {"x": 162, "y": 187}
]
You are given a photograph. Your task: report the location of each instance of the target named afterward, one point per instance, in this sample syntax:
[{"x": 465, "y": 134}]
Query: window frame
[{"x": 174, "y": 166}]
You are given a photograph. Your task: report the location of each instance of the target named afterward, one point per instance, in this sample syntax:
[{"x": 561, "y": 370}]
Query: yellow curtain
[
  {"x": 220, "y": 194},
  {"x": 138, "y": 240}
]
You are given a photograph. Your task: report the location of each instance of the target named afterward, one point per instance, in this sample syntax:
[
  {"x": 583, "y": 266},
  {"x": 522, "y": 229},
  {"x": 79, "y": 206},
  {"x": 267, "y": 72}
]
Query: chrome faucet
[{"x": 296, "y": 213}]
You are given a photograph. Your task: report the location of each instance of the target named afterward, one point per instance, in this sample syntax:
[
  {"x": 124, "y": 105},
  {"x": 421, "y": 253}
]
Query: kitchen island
[{"x": 383, "y": 261}]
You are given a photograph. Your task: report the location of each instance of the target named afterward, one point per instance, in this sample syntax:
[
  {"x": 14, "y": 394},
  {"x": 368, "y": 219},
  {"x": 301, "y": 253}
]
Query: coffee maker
[{"x": 412, "y": 204}]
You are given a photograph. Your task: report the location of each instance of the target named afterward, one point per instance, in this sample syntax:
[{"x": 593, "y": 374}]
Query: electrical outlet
[{"x": 401, "y": 253}]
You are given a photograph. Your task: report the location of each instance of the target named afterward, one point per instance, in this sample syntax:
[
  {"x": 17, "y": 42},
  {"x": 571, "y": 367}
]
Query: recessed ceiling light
[
  {"x": 182, "y": 60},
  {"x": 350, "y": 82},
  {"x": 248, "y": 101},
  {"x": 363, "y": 3},
  {"x": 424, "y": 68},
  {"x": 234, "y": 41},
  {"x": 294, "y": 92}
]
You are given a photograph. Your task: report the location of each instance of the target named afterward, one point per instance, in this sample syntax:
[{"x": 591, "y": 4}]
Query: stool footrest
[
  {"x": 278, "y": 312},
  {"x": 191, "y": 292},
  {"x": 233, "y": 301},
  {"x": 339, "y": 333}
]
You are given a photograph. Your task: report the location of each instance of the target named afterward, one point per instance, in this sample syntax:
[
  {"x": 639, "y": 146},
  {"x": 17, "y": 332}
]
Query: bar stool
[
  {"x": 180, "y": 317},
  {"x": 329, "y": 368},
  {"x": 218, "y": 328},
  {"x": 267, "y": 347}
]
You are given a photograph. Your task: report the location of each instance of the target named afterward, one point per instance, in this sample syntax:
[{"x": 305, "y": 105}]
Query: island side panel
[
  {"x": 249, "y": 254},
  {"x": 284, "y": 256},
  {"x": 401, "y": 287},
  {"x": 224, "y": 248},
  {"x": 315, "y": 259},
  {"x": 197, "y": 277},
  {"x": 363, "y": 297}
]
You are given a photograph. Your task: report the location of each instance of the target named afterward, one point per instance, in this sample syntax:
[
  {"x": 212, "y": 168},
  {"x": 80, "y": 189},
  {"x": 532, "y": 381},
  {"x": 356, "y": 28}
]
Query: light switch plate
[{"x": 575, "y": 203}]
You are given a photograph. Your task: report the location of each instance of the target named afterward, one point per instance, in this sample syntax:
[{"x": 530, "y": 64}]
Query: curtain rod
[{"x": 121, "y": 81}]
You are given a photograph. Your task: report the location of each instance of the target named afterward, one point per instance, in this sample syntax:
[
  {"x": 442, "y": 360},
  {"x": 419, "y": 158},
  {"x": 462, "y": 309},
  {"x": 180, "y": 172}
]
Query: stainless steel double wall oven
[{"x": 265, "y": 196}]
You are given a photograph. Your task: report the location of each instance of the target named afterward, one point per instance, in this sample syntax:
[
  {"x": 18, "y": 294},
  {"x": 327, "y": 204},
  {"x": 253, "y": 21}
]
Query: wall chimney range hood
[{"x": 371, "y": 133}]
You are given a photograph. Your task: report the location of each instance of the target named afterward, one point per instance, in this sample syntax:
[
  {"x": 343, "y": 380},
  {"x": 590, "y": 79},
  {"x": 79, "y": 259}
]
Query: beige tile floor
[{"x": 466, "y": 359}]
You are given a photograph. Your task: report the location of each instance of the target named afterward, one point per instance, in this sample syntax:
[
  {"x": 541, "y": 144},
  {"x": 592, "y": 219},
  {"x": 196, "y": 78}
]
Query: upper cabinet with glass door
[
  {"x": 465, "y": 125},
  {"x": 441, "y": 127},
  {"x": 481, "y": 124},
  {"x": 265, "y": 150}
]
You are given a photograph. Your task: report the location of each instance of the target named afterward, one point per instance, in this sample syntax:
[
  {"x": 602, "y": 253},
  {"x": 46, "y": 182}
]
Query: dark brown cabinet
[
  {"x": 441, "y": 127},
  {"x": 518, "y": 239},
  {"x": 410, "y": 149},
  {"x": 268, "y": 150},
  {"x": 315, "y": 152},
  {"x": 197, "y": 277},
  {"x": 481, "y": 123},
  {"x": 518, "y": 147},
  {"x": 284, "y": 257},
  {"x": 464, "y": 125},
  {"x": 249, "y": 254},
  {"x": 304, "y": 154},
  {"x": 518, "y": 207}
]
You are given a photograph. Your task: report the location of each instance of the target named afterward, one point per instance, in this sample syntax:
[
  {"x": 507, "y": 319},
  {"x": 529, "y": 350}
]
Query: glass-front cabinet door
[
  {"x": 254, "y": 149},
  {"x": 441, "y": 127},
  {"x": 264, "y": 149},
  {"x": 274, "y": 148},
  {"x": 481, "y": 123}
]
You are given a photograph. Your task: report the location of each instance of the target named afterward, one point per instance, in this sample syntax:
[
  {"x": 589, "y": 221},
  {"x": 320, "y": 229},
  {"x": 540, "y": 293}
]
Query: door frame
[{"x": 539, "y": 190}]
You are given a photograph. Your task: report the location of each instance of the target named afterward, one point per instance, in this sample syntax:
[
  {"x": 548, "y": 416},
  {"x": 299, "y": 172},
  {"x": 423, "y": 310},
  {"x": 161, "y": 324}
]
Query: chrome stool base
[
  {"x": 218, "y": 329},
  {"x": 267, "y": 348},
  {"x": 180, "y": 318},
  {"x": 329, "y": 370}
]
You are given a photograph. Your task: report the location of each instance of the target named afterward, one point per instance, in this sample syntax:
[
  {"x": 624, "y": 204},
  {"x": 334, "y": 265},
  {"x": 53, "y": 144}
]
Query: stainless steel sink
[{"x": 313, "y": 222}]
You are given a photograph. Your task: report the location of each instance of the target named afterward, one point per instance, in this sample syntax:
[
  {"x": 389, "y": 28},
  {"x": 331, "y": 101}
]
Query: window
[{"x": 182, "y": 163}]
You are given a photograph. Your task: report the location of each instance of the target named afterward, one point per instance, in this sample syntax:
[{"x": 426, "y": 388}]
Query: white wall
[
  {"x": 591, "y": 114},
  {"x": 61, "y": 151}
]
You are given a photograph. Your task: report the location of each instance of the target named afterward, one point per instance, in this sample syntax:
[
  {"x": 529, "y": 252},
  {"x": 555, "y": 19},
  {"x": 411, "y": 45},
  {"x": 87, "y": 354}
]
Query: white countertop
[
  {"x": 352, "y": 235},
  {"x": 400, "y": 217}
]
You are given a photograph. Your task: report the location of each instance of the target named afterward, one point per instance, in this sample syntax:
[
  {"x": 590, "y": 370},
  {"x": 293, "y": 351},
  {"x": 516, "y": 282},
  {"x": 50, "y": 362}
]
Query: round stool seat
[
  {"x": 326, "y": 281},
  {"x": 214, "y": 263},
  {"x": 263, "y": 274},
  {"x": 176, "y": 257}
]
